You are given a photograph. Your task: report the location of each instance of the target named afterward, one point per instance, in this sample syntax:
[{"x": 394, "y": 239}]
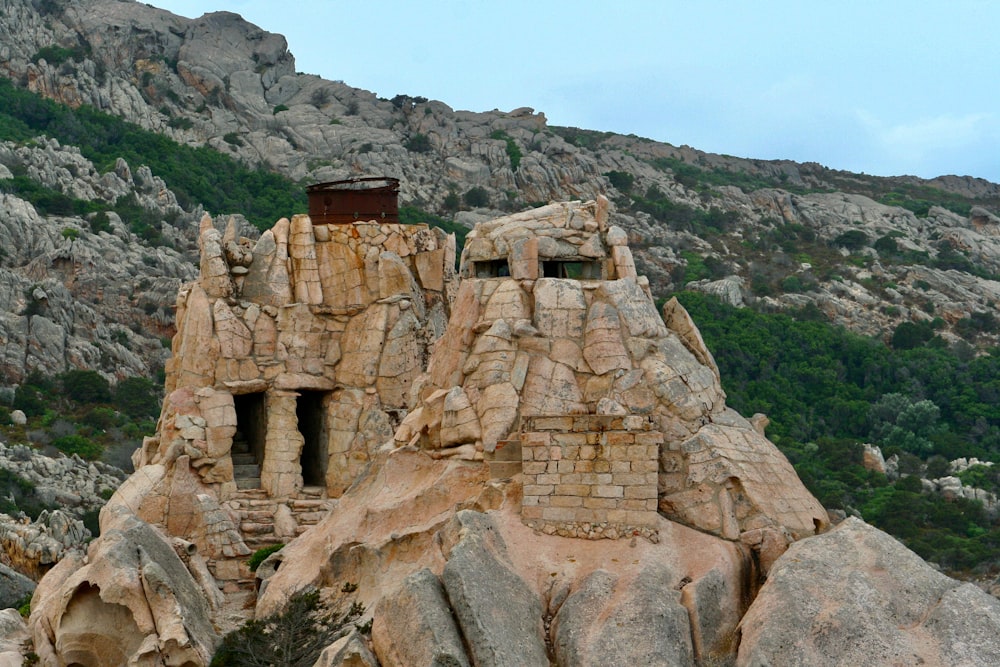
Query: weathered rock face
[
  {"x": 479, "y": 587},
  {"x": 527, "y": 344},
  {"x": 131, "y": 599},
  {"x": 73, "y": 298},
  {"x": 33, "y": 547},
  {"x": 856, "y": 596}
]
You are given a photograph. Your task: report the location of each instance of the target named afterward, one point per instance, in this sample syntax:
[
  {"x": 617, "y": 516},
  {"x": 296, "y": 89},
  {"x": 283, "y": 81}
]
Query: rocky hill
[
  {"x": 556, "y": 481},
  {"x": 444, "y": 485},
  {"x": 869, "y": 253}
]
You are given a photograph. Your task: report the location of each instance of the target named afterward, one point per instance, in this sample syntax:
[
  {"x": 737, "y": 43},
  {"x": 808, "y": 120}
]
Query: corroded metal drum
[{"x": 354, "y": 200}]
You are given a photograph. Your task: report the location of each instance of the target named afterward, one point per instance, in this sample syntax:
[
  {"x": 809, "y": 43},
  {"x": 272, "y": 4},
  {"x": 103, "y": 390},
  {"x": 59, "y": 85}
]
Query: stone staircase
[
  {"x": 256, "y": 516},
  {"x": 246, "y": 470}
]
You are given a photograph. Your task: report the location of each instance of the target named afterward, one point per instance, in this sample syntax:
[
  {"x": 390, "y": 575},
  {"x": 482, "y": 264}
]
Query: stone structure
[
  {"x": 292, "y": 363},
  {"x": 551, "y": 321},
  {"x": 304, "y": 346},
  {"x": 332, "y": 362},
  {"x": 590, "y": 476}
]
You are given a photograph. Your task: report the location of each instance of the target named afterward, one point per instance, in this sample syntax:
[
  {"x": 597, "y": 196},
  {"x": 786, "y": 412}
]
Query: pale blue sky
[{"x": 882, "y": 87}]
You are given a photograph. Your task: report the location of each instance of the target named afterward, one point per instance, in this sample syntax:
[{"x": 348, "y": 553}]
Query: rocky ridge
[
  {"x": 73, "y": 298},
  {"x": 220, "y": 81}
]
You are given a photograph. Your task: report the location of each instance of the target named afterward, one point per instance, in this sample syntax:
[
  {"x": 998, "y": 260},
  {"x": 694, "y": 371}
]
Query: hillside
[{"x": 121, "y": 124}]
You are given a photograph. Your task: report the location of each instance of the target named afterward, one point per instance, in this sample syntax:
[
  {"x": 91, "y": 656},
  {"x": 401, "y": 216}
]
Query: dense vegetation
[
  {"x": 79, "y": 412},
  {"x": 827, "y": 390},
  {"x": 196, "y": 175}
]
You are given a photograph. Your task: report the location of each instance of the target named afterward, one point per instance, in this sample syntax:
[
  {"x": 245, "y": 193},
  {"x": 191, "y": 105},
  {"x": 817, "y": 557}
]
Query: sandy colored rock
[
  {"x": 415, "y": 626},
  {"x": 855, "y": 595},
  {"x": 134, "y": 600},
  {"x": 499, "y": 615}
]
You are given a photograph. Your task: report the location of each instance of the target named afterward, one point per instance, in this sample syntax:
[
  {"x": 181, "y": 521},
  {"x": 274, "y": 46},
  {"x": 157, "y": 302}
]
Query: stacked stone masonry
[{"x": 591, "y": 476}]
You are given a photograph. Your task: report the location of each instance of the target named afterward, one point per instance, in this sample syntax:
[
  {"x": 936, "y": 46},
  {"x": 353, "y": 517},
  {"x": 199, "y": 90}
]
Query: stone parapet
[{"x": 591, "y": 476}]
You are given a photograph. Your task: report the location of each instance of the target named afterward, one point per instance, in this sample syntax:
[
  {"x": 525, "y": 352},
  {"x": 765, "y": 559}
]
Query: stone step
[
  {"x": 257, "y": 515},
  {"x": 247, "y": 498},
  {"x": 256, "y": 528},
  {"x": 259, "y": 542},
  {"x": 256, "y": 501},
  {"x": 244, "y": 459},
  {"x": 313, "y": 491},
  {"x": 246, "y": 483},
  {"x": 246, "y": 471}
]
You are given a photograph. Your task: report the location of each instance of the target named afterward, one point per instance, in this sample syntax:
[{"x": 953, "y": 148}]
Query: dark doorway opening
[
  {"x": 251, "y": 425},
  {"x": 312, "y": 425}
]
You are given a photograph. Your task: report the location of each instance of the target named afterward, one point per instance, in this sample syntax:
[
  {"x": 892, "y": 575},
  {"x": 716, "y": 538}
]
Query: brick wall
[{"x": 591, "y": 476}]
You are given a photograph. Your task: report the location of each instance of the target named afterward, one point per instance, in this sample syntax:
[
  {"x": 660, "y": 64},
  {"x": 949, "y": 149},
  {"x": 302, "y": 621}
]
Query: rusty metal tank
[{"x": 354, "y": 200}]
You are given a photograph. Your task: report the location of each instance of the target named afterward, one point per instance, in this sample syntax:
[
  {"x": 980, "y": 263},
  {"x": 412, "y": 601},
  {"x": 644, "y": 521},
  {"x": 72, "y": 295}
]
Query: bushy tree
[
  {"x": 137, "y": 397},
  {"x": 477, "y": 197},
  {"x": 86, "y": 386},
  {"x": 899, "y": 422},
  {"x": 293, "y": 637}
]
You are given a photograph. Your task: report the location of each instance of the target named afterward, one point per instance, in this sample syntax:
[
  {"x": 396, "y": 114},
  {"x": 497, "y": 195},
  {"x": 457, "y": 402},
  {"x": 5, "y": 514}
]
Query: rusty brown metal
[{"x": 354, "y": 200}]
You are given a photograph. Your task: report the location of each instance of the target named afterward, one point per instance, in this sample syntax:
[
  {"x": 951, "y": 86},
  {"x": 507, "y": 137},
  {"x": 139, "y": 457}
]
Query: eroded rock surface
[
  {"x": 131, "y": 599},
  {"x": 857, "y": 596}
]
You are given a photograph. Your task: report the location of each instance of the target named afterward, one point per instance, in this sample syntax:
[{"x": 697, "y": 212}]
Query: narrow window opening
[
  {"x": 491, "y": 268},
  {"x": 312, "y": 426},
  {"x": 575, "y": 270}
]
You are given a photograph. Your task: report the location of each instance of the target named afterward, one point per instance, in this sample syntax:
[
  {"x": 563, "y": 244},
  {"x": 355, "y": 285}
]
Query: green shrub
[
  {"x": 418, "y": 143},
  {"x": 513, "y": 150},
  {"x": 137, "y": 397},
  {"x": 23, "y": 606},
  {"x": 852, "y": 239},
  {"x": 622, "y": 180},
  {"x": 79, "y": 445},
  {"x": 56, "y": 55},
  {"x": 100, "y": 222},
  {"x": 84, "y": 386},
  {"x": 100, "y": 417},
  {"x": 477, "y": 197},
  {"x": 294, "y": 636},
  {"x": 278, "y": 109},
  {"x": 261, "y": 555}
]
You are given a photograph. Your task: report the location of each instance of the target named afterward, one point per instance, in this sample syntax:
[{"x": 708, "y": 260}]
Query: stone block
[
  {"x": 572, "y": 489},
  {"x": 531, "y": 512},
  {"x": 600, "y": 503},
  {"x": 643, "y": 492},
  {"x": 607, "y": 491},
  {"x": 559, "y": 513},
  {"x": 533, "y": 467}
]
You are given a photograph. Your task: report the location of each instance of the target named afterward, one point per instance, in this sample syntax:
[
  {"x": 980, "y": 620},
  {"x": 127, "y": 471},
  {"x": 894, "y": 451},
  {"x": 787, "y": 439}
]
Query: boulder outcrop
[
  {"x": 131, "y": 600},
  {"x": 857, "y": 596},
  {"x": 552, "y": 324}
]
